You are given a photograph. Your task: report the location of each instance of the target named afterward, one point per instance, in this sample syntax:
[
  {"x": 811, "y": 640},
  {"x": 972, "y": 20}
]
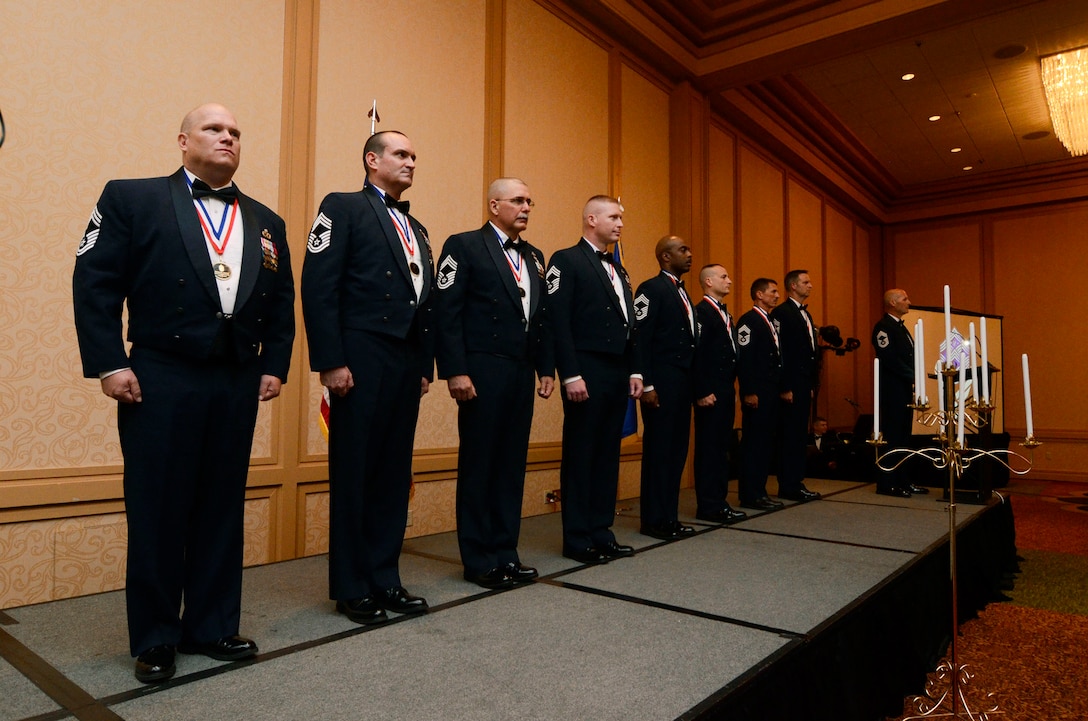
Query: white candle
[
  {"x": 985, "y": 366},
  {"x": 947, "y": 327},
  {"x": 1027, "y": 396},
  {"x": 917, "y": 364},
  {"x": 876, "y": 398},
  {"x": 974, "y": 371},
  {"x": 962, "y": 397},
  {"x": 920, "y": 349}
]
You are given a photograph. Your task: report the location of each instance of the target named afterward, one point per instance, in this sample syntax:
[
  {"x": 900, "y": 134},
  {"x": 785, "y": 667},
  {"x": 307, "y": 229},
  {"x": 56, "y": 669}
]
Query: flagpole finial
[{"x": 373, "y": 115}]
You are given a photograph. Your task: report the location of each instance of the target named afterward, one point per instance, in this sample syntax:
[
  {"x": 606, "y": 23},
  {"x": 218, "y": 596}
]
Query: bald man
[
  {"x": 590, "y": 312},
  {"x": 491, "y": 344},
  {"x": 894, "y": 347},
  {"x": 665, "y": 333},
  {"x": 205, "y": 272}
]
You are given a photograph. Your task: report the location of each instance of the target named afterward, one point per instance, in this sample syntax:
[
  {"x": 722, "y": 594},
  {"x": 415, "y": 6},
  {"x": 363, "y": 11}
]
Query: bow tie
[
  {"x": 606, "y": 257},
  {"x": 803, "y": 306},
  {"x": 202, "y": 190},
  {"x": 680, "y": 284},
  {"x": 401, "y": 205},
  {"x": 511, "y": 244}
]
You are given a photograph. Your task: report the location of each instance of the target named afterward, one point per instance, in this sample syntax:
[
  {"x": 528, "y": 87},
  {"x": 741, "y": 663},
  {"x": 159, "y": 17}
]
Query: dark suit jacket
[
  {"x": 355, "y": 277},
  {"x": 715, "y": 355},
  {"x": 759, "y": 364},
  {"x": 662, "y": 333},
  {"x": 799, "y": 366},
  {"x": 144, "y": 247},
  {"x": 583, "y": 311},
  {"x": 479, "y": 306},
  {"x": 895, "y": 349}
]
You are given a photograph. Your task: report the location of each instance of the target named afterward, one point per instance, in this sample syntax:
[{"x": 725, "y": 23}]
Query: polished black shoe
[
  {"x": 228, "y": 648},
  {"x": 398, "y": 600},
  {"x": 801, "y": 495},
  {"x": 590, "y": 556},
  {"x": 155, "y": 664},
  {"x": 519, "y": 573},
  {"x": 363, "y": 610},
  {"x": 763, "y": 504},
  {"x": 494, "y": 578},
  {"x": 726, "y": 515},
  {"x": 616, "y": 550},
  {"x": 916, "y": 490},
  {"x": 662, "y": 531},
  {"x": 681, "y": 530},
  {"x": 897, "y": 492}
]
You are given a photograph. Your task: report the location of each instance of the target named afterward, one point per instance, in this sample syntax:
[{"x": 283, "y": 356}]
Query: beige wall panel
[
  {"x": 26, "y": 575},
  {"x": 89, "y": 555},
  {"x": 925, "y": 259},
  {"x": 556, "y": 124},
  {"x": 314, "y": 499},
  {"x": 866, "y": 297},
  {"x": 432, "y": 508},
  {"x": 644, "y": 171},
  {"x": 805, "y": 242},
  {"x": 721, "y": 191},
  {"x": 537, "y": 485},
  {"x": 424, "y": 63},
  {"x": 1033, "y": 252},
  {"x": 83, "y": 112},
  {"x": 837, "y": 291},
  {"x": 258, "y": 527},
  {"x": 762, "y": 225}
]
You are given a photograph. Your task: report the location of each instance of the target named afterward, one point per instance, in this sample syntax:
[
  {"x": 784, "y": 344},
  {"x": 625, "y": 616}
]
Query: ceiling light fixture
[
  {"x": 956, "y": 150},
  {"x": 934, "y": 118},
  {"x": 1065, "y": 80},
  {"x": 968, "y": 167},
  {"x": 908, "y": 76}
]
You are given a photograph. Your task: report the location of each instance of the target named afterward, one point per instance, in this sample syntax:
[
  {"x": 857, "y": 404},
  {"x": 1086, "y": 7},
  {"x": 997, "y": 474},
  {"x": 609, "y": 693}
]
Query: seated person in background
[{"x": 822, "y": 459}]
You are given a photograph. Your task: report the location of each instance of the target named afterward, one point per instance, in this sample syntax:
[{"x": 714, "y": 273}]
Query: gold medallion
[{"x": 222, "y": 270}]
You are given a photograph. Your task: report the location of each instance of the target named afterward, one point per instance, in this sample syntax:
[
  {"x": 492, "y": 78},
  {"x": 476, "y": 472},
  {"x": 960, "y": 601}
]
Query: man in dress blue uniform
[
  {"x": 206, "y": 274},
  {"x": 590, "y": 314},
  {"x": 894, "y": 346},
  {"x": 800, "y": 369},
  {"x": 715, "y": 397},
  {"x": 664, "y": 349},
  {"x": 366, "y": 292},
  {"x": 759, "y": 368},
  {"x": 491, "y": 340}
]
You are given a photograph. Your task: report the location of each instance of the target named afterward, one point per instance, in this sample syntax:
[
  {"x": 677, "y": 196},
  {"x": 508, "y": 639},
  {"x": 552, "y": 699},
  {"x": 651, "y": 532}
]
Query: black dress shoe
[
  {"x": 726, "y": 515},
  {"x": 519, "y": 573},
  {"x": 916, "y": 490},
  {"x": 494, "y": 578},
  {"x": 763, "y": 504},
  {"x": 228, "y": 648},
  {"x": 398, "y": 600},
  {"x": 615, "y": 550},
  {"x": 801, "y": 495},
  {"x": 897, "y": 492},
  {"x": 681, "y": 530},
  {"x": 590, "y": 556},
  {"x": 363, "y": 610},
  {"x": 662, "y": 531},
  {"x": 155, "y": 664},
  {"x": 733, "y": 516}
]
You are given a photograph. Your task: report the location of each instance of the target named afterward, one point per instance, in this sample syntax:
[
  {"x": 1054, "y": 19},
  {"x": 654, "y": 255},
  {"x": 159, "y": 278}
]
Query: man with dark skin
[{"x": 666, "y": 330}]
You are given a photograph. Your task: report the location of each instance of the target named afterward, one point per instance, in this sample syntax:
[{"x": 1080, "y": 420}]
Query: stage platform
[{"x": 834, "y": 609}]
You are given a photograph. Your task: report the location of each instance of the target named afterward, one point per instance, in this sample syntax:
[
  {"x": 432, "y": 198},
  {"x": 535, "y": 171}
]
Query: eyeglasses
[{"x": 519, "y": 201}]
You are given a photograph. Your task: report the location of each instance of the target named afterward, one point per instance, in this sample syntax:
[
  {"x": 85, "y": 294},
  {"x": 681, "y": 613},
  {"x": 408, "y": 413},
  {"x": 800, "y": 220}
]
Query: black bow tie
[
  {"x": 511, "y": 244},
  {"x": 680, "y": 284},
  {"x": 202, "y": 190},
  {"x": 401, "y": 205},
  {"x": 606, "y": 257},
  {"x": 803, "y": 306}
]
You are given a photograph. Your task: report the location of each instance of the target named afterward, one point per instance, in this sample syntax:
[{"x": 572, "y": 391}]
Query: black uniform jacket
[{"x": 663, "y": 335}]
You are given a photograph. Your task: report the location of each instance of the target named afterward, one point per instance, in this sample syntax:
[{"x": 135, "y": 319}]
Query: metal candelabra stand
[{"x": 946, "y": 694}]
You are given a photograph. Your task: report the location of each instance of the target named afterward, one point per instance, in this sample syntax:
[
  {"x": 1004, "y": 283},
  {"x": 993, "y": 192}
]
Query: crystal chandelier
[{"x": 1065, "y": 80}]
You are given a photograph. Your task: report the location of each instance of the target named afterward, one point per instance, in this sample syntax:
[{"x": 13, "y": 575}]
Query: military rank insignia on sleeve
[
  {"x": 642, "y": 306},
  {"x": 320, "y": 234},
  {"x": 90, "y": 236},
  {"x": 744, "y": 335},
  {"x": 882, "y": 339},
  {"x": 447, "y": 273},
  {"x": 552, "y": 279}
]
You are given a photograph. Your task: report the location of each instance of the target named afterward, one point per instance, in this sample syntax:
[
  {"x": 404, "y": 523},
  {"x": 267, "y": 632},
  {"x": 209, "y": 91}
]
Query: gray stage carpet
[{"x": 648, "y": 637}]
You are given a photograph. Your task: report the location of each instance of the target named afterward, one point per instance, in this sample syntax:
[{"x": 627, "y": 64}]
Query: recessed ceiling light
[
  {"x": 1010, "y": 51},
  {"x": 956, "y": 150},
  {"x": 908, "y": 76},
  {"x": 1037, "y": 135},
  {"x": 934, "y": 118},
  {"x": 968, "y": 167}
]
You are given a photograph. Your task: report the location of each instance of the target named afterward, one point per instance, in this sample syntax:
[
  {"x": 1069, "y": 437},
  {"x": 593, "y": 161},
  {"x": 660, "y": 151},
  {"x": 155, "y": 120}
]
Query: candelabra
[{"x": 946, "y": 693}]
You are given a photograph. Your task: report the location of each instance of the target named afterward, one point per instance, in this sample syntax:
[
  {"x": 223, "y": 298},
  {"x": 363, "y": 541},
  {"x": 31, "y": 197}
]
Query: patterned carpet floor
[{"x": 1031, "y": 652}]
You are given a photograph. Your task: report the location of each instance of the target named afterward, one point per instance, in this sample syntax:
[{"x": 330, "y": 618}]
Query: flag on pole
[
  {"x": 373, "y": 115},
  {"x": 323, "y": 415}
]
